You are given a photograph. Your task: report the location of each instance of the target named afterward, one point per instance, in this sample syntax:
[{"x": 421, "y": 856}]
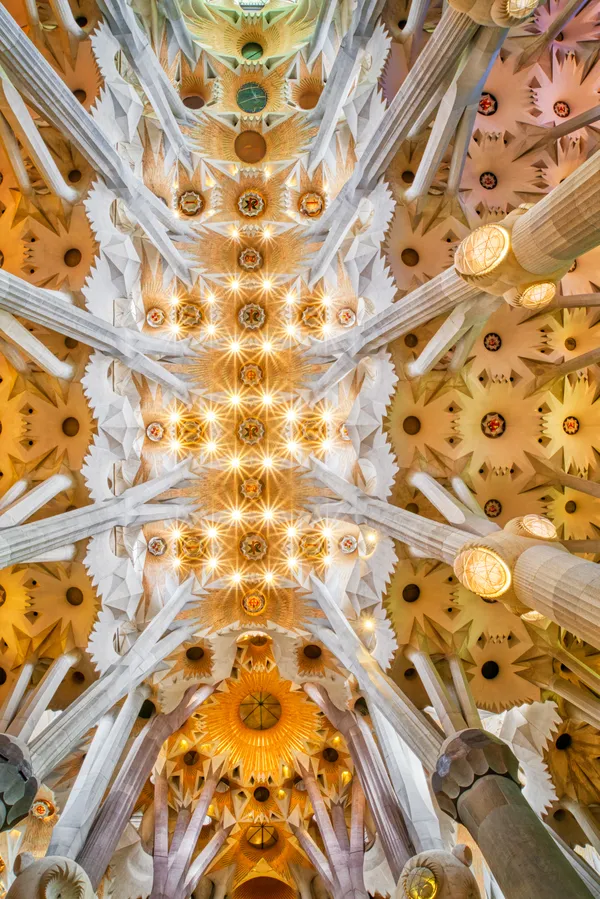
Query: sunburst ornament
[{"x": 229, "y": 721}]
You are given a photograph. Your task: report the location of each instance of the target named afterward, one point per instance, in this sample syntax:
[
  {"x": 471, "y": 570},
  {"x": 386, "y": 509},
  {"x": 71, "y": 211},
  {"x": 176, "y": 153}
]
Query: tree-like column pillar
[{"x": 476, "y": 783}]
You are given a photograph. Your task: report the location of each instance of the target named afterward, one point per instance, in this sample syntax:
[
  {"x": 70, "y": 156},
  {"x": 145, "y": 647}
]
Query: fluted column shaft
[
  {"x": 564, "y": 224},
  {"x": 562, "y": 587},
  {"x": 476, "y": 783},
  {"x": 29, "y": 715}
]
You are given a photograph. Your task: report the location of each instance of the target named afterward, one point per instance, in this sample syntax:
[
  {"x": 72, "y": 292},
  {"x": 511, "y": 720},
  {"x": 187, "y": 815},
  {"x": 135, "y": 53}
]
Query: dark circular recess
[
  {"x": 81, "y": 21},
  {"x": 2, "y": 595},
  {"x": 410, "y": 673},
  {"x": 2, "y": 676},
  {"x": 564, "y": 741},
  {"x": 560, "y": 814},
  {"x": 194, "y": 101},
  {"x": 78, "y": 677},
  {"x": 412, "y": 507},
  {"x": 402, "y": 24},
  {"x": 74, "y": 596},
  {"x": 71, "y": 343},
  {"x": 330, "y": 754},
  {"x": 411, "y": 340},
  {"x": 147, "y": 710},
  {"x": 80, "y": 95},
  {"x": 251, "y": 98},
  {"x": 70, "y": 427},
  {"x": 194, "y": 653},
  {"x": 411, "y": 593},
  {"x": 191, "y": 757},
  {"x": 308, "y": 99},
  {"x": 408, "y": 177},
  {"x": 262, "y": 836},
  {"x": 411, "y": 425},
  {"x": 409, "y": 257},
  {"x": 490, "y": 670},
  {"x": 74, "y": 176},
  {"x": 570, "y": 506},
  {"x": 312, "y": 651},
  {"x": 570, "y": 343},
  {"x": 72, "y": 257},
  {"x": 261, "y": 794}
]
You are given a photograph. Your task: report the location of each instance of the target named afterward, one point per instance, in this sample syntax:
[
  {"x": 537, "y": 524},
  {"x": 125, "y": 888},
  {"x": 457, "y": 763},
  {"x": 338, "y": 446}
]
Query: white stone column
[
  {"x": 28, "y": 716},
  {"x": 34, "y": 499},
  {"x": 13, "y": 699},
  {"x": 49, "y": 309}
]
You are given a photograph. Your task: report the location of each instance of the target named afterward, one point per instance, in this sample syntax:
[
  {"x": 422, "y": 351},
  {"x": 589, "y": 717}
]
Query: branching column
[
  {"x": 137, "y": 768},
  {"x": 383, "y": 803}
]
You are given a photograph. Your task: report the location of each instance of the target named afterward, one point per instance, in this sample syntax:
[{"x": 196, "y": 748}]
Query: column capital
[{"x": 464, "y": 759}]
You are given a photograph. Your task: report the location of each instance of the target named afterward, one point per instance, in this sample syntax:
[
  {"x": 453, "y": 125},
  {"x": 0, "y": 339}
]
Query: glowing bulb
[
  {"x": 236, "y": 577},
  {"x": 336, "y": 739},
  {"x": 183, "y": 743},
  {"x": 174, "y": 417},
  {"x": 327, "y": 533},
  {"x": 211, "y": 329},
  {"x": 371, "y": 537},
  {"x": 266, "y": 232},
  {"x": 267, "y": 462},
  {"x": 368, "y": 624},
  {"x": 292, "y": 562},
  {"x": 326, "y": 445},
  {"x": 292, "y": 531},
  {"x": 269, "y": 577},
  {"x": 291, "y": 446},
  {"x": 327, "y": 560},
  {"x": 212, "y": 533},
  {"x": 236, "y": 514},
  {"x": 234, "y": 169},
  {"x": 234, "y": 399},
  {"x": 174, "y": 445},
  {"x": 285, "y": 770},
  {"x": 281, "y": 794},
  {"x": 175, "y": 328},
  {"x": 174, "y": 301},
  {"x": 326, "y": 415},
  {"x": 211, "y": 446},
  {"x": 267, "y": 173},
  {"x": 267, "y": 284},
  {"x": 291, "y": 330},
  {"x": 235, "y": 462},
  {"x": 291, "y": 415},
  {"x": 176, "y": 534},
  {"x": 267, "y": 346},
  {"x": 210, "y": 297},
  {"x": 235, "y": 284},
  {"x": 290, "y": 299},
  {"x": 210, "y": 415},
  {"x": 176, "y": 562},
  {"x": 234, "y": 346},
  {"x": 326, "y": 328},
  {"x": 212, "y": 563},
  {"x": 268, "y": 514},
  {"x": 235, "y": 233},
  {"x": 326, "y": 301},
  {"x": 267, "y": 399}
]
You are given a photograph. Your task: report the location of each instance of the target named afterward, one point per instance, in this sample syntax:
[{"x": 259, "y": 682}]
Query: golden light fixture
[{"x": 483, "y": 572}]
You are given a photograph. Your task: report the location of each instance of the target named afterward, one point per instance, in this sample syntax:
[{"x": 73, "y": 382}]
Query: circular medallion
[
  {"x": 482, "y": 250},
  {"x": 252, "y": 316},
  {"x": 250, "y": 147},
  {"x": 190, "y": 203},
  {"x": 157, "y": 546},
  {"x": 536, "y": 296},
  {"x": 488, "y": 180},
  {"x": 251, "y": 203},
  {"x": 254, "y": 603},
  {"x": 570, "y": 425},
  {"x": 252, "y": 51},
  {"x": 311, "y": 204},
  {"x": 260, "y": 711},
  {"x": 493, "y": 425},
  {"x": 313, "y": 546},
  {"x": 250, "y": 259},
  {"x": 251, "y": 98},
  {"x": 155, "y": 431},
  {"x": 346, "y": 317},
  {"x": 562, "y": 109},
  {"x": 539, "y": 526},
  {"x": 420, "y": 884},
  {"x": 488, "y": 104},
  {"x": 482, "y": 572},
  {"x": 492, "y": 342},
  {"x": 253, "y": 546},
  {"x": 348, "y": 544},
  {"x": 42, "y": 808},
  {"x": 251, "y": 431},
  {"x": 314, "y": 315},
  {"x": 493, "y": 508},
  {"x": 193, "y": 101},
  {"x": 251, "y": 374},
  {"x": 188, "y": 315},
  {"x": 155, "y": 317},
  {"x": 251, "y": 488}
]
